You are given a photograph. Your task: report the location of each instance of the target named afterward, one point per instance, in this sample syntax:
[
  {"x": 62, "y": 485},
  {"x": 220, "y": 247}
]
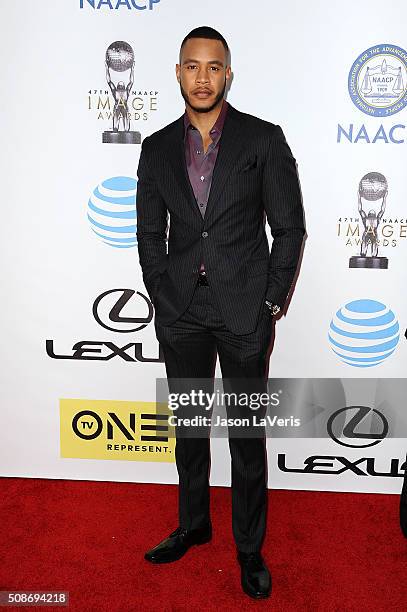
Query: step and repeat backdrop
[{"x": 83, "y": 83}]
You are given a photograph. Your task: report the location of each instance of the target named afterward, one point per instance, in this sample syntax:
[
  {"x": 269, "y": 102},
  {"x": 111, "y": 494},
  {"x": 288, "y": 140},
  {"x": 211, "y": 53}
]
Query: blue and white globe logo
[
  {"x": 112, "y": 212},
  {"x": 364, "y": 333}
]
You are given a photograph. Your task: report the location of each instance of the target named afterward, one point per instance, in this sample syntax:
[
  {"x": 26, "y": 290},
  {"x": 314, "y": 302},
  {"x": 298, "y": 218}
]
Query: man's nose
[{"x": 202, "y": 76}]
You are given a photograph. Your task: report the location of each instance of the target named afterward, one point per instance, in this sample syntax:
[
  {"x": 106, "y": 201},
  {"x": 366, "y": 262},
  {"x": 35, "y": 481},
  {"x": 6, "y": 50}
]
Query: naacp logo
[
  {"x": 138, "y": 5},
  {"x": 366, "y": 427},
  {"x": 378, "y": 79}
]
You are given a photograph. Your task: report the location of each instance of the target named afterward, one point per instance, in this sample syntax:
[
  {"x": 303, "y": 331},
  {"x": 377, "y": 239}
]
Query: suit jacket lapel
[
  {"x": 230, "y": 146},
  {"x": 176, "y": 156}
]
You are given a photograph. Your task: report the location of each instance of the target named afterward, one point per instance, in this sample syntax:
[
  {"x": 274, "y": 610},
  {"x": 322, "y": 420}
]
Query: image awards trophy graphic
[
  {"x": 372, "y": 188},
  {"x": 120, "y": 58}
]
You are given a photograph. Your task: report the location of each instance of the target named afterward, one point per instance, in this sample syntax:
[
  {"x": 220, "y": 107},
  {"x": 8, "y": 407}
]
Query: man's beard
[{"x": 208, "y": 109}]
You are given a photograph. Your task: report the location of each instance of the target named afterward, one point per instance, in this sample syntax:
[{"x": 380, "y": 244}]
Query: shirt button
[
  {"x": 198, "y": 152},
  {"x": 202, "y": 178},
  {"x": 204, "y": 234},
  {"x": 201, "y": 204}
]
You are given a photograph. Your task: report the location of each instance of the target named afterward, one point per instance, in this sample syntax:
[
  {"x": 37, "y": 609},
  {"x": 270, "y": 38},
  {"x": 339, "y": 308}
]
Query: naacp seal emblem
[{"x": 377, "y": 81}]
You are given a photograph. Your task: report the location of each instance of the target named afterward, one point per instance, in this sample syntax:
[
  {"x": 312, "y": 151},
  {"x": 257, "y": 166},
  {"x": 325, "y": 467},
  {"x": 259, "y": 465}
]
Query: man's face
[{"x": 203, "y": 73}]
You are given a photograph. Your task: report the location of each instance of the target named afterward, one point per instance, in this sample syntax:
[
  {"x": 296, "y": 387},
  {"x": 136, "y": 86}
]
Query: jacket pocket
[
  {"x": 257, "y": 267},
  {"x": 248, "y": 165}
]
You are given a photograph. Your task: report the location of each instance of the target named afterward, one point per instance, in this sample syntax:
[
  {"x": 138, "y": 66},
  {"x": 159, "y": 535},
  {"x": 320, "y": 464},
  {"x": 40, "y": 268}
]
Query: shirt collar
[{"x": 216, "y": 130}]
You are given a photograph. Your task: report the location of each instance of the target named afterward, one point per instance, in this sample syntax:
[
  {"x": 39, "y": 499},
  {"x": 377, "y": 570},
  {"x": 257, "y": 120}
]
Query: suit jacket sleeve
[
  {"x": 284, "y": 211},
  {"x": 152, "y": 218}
]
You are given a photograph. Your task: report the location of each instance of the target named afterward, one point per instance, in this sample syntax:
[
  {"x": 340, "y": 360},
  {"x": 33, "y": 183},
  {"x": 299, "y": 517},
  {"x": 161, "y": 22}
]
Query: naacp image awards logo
[
  {"x": 371, "y": 230},
  {"x": 121, "y": 103},
  {"x": 372, "y": 191}
]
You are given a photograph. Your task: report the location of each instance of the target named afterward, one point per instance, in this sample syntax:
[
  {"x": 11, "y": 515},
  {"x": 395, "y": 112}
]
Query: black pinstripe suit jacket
[{"x": 254, "y": 176}]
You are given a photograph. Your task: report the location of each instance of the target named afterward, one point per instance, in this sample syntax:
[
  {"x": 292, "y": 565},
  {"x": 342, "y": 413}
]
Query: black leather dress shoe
[
  {"x": 256, "y": 579},
  {"x": 178, "y": 542}
]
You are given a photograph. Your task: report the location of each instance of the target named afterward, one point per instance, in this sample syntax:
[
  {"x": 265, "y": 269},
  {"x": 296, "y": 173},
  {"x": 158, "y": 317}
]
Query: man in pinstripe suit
[{"x": 214, "y": 174}]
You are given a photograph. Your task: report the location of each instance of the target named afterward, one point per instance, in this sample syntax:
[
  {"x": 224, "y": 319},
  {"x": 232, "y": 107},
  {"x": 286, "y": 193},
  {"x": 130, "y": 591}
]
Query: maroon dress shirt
[{"x": 200, "y": 165}]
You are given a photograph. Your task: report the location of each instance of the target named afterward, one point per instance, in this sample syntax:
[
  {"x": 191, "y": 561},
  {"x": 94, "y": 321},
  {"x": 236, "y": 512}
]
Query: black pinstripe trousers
[{"x": 190, "y": 347}]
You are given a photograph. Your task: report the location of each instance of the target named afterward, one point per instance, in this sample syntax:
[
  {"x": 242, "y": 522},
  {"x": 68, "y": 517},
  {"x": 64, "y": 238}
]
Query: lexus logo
[
  {"x": 109, "y": 306},
  {"x": 366, "y": 427}
]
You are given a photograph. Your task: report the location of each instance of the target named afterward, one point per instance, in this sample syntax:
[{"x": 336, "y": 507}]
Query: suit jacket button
[{"x": 204, "y": 234}]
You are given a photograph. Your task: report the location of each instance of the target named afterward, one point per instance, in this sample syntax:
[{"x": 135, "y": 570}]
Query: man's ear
[{"x": 178, "y": 72}]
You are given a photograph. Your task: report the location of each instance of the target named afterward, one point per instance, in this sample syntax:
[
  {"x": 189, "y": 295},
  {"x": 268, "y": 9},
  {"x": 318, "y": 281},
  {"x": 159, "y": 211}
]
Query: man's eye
[
  {"x": 191, "y": 66},
  {"x": 215, "y": 68}
]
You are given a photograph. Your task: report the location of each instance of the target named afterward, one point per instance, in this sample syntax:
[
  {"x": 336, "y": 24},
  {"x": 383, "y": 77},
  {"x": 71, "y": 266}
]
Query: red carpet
[{"x": 327, "y": 551}]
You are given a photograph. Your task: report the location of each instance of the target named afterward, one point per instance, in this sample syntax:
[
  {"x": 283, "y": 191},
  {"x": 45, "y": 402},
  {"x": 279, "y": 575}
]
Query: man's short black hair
[{"x": 206, "y": 32}]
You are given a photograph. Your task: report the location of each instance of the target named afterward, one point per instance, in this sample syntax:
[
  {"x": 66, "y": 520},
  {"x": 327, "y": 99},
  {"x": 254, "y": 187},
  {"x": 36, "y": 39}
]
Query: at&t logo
[
  {"x": 364, "y": 333},
  {"x": 112, "y": 212}
]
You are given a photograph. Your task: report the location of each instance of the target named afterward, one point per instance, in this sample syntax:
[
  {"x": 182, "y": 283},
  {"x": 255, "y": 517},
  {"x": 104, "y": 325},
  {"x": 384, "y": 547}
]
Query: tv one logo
[
  {"x": 88, "y": 425},
  {"x": 138, "y": 5},
  {"x": 119, "y": 429},
  {"x": 352, "y": 427}
]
